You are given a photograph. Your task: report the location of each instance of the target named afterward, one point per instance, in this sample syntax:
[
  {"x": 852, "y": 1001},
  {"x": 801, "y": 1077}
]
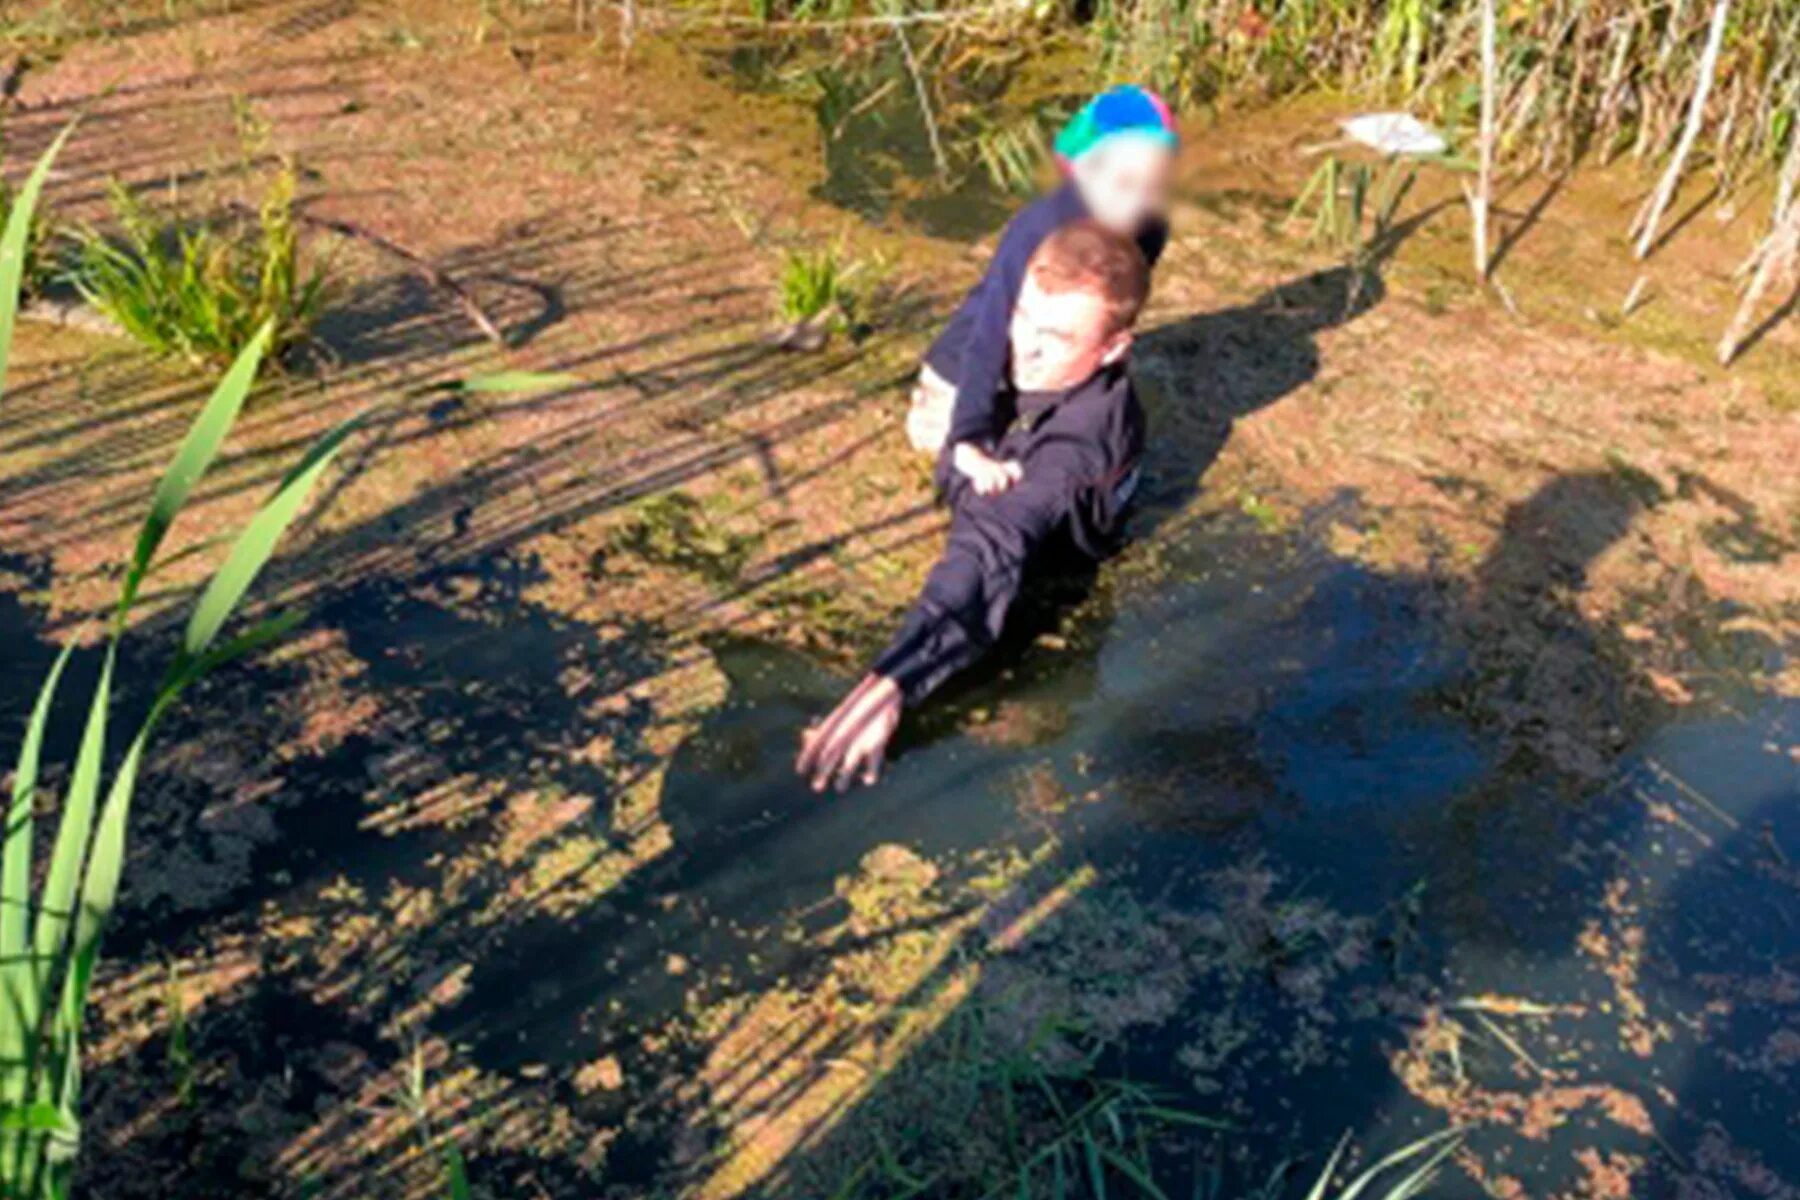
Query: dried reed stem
[
  {"x": 1484, "y": 186},
  {"x": 433, "y": 275},
  {"x": 918, "y": 79},
  {"x": 1777, "y": 254},
  {"x": 993, "y": 14},
  {"x": 1665, "y": 191}
]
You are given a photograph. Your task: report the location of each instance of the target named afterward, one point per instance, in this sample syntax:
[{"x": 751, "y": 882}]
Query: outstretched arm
[{"x": 957, "y": 618}]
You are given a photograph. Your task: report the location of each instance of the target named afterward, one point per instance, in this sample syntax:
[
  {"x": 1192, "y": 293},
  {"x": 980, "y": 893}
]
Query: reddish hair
[{"x": 1084, "y": 257}]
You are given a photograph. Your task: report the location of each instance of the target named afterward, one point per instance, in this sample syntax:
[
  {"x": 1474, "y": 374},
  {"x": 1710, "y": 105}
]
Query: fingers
[
  {"x": 819, "y": 737},
  {"x": 861, "y": 755},
  {"x": 998, "y": 477},
  {"x": 846, "y": 770},
  {"x": 822, "y": 743},
  {"x": 851, "y": 742},
  {"x": 837, "y": 757},
  {"x": 993, "y": 479},
  {"x": 810, "y": 745},
  {"x": 831, "y": 753}
]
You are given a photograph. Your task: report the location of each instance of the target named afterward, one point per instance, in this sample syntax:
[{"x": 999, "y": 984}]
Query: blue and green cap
[{"x": 1123, "y": 111}]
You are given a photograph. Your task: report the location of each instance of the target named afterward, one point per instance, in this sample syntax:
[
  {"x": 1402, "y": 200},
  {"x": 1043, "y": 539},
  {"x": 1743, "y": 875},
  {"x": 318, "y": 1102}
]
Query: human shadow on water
[
  {"x": 1199, "y": 375},
  {"x": 1266, "y": 716}
]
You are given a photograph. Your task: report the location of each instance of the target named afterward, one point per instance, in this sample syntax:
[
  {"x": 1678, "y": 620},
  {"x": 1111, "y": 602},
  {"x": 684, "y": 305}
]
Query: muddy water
[
  {"x": 1344, "y": 884},
  {"x": 1312, "y": 773},
  {"x": 1391, "y": 882}
]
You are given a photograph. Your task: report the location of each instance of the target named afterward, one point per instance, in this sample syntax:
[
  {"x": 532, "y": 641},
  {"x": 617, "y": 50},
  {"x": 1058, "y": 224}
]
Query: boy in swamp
[
  {"x": 1074, "y": 426},
  {"x": 1117, "y": 155}
]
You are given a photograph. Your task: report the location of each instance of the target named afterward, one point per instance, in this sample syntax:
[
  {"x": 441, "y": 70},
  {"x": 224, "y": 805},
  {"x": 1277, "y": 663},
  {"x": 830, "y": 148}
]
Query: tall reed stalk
[
  {"x": 1776, "y": 256},
  {"x": 1483, "y": 201},
  {"x": 54, "y": 906}
]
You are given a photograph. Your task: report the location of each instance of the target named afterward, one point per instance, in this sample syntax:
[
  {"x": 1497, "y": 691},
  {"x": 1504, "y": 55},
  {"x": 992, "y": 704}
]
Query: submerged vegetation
[
  {"x": 988, "y": 1117},
  {"x": 200, "y": 291},
  {"x": 1351, "y": 205}
]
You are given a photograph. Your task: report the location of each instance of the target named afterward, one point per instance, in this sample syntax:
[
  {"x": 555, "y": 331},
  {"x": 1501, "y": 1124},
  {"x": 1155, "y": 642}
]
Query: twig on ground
[
  {"x": 1511, "y": 1043},
  {"x": 432, "y": 274},
  {"x": 1630, "y": 303},
  {"x": 1505, "y": 297}
]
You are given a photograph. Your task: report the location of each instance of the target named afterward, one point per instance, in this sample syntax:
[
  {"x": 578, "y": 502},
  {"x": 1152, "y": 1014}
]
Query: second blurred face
[{"x": 1125, "y": 182}]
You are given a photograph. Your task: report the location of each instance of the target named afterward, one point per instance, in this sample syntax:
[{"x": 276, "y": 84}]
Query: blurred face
[
  {"x": 1060, "y": 339},
  {"x": 1125, "y": 182}
]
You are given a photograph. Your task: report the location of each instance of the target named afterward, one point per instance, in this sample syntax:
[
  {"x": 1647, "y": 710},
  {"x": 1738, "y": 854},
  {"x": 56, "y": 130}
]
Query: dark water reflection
[{"x": 879, "y": 150}]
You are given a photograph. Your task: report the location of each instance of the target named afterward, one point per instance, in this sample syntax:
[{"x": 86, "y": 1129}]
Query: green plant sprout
[{"x": 201, "y": 292}]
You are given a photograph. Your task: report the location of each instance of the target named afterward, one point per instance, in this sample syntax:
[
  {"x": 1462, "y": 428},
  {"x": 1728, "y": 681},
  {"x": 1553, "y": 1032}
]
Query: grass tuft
[
  {"x": 815, "y": 287},
  {"x": 202, "y": 291}
]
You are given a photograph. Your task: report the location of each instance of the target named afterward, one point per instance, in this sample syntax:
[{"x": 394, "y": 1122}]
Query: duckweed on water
[{"x": 676, "y": 530}]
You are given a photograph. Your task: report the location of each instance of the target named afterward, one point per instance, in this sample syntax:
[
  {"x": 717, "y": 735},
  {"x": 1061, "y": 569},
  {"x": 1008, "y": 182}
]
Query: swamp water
[
  {"x": 1332, "y": 883},
  {"x": 1395, "y": 914},
  {"x": 1337, "y": 889},
  {"x": 1306, "y": 845}
]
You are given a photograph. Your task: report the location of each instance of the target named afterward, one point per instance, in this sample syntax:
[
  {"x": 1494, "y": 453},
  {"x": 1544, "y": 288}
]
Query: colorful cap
[{"x": 1126, "y": 109}]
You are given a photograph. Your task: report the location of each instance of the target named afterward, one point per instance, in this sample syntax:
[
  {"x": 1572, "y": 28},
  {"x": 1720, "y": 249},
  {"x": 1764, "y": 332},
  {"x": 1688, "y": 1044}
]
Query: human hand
[
  {"x": 988, "y": 475},
  {"x": 853, "y": 739}
]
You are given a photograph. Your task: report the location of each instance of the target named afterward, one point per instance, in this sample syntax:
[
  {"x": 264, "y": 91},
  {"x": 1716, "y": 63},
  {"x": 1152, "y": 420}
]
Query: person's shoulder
[
  {"x": 1105, "y": 404},
  {"x": 1043, "y": 216},
  {"x": 1118, "y": 413}
]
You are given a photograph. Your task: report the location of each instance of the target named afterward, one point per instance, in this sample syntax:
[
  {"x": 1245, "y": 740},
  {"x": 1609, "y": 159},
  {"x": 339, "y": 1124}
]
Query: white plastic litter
[{"x": 1394, "y": 133}]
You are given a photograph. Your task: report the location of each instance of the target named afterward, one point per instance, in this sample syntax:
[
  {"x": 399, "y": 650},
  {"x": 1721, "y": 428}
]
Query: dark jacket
[
  {"x": 971, "y": 352},
  {"x": 1080, "y": 451}
]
